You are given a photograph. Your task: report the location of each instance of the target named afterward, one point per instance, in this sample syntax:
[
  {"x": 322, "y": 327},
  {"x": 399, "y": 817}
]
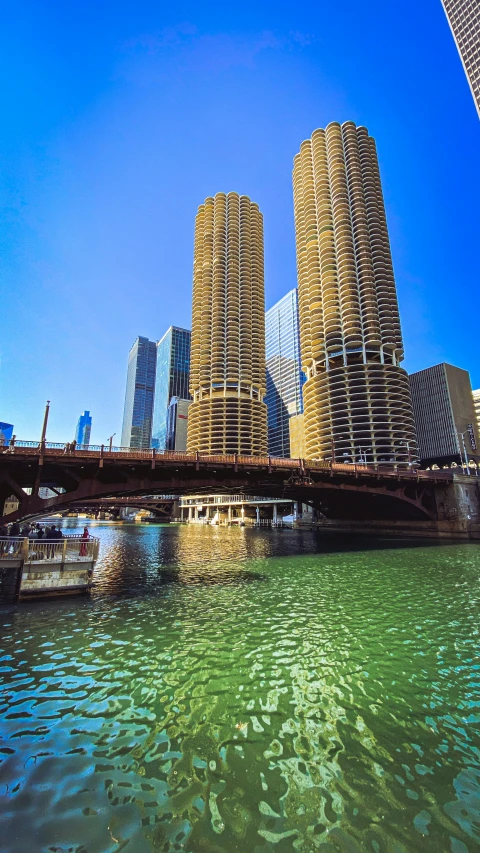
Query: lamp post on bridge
[
  {"x": 406, "y": 444},
  {"x": 462, "y": 435},
  {"x": 110, "y": 440},
  {"x": 44, "y": 428}
]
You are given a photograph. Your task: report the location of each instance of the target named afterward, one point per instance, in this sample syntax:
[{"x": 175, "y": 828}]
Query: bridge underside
[{"x": 338, "y": 495}]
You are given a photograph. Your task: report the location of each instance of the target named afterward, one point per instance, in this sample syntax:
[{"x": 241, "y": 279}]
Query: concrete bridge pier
[{"x": 458, "y": 506}]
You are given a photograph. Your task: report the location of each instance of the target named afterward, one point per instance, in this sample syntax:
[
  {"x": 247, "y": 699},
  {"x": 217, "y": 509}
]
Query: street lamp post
[
  {"x": 338, "y": 437},
  {"x": 45, "y": 422},
  {"x": 406, "y": 444},
  {"x": 110, "y": 440},
  {"x": 462, "y": 434}
]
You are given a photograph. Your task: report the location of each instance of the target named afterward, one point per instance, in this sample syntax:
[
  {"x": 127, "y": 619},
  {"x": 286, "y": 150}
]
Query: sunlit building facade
[
  {"x": 139, "y": 394},
  {"x": 227, "y": 371},
  {"x": 476, "y": 402},
  {"x": 172, "y": 379},
  {"x": 284, "y": 371},
  {"x": 298, "y": 449},
  {"x": 464, "y": 19},
  {"x": 356, "y": 397}
]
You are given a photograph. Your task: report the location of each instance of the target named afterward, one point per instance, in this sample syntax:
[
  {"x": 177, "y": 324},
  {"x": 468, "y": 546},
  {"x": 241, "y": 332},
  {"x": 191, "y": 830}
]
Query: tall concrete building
[
  {"x": 476, "y": 402},
  {"x": 84, "y": 428},
  {"x": 464, "y": 19},
  {"x": 356, "y": 397},
  {"x": 172, "y": 379},
  {"x": 227, "y": 370},
  {"x": 138, "y": 410},
  {"x": 284, "y": 372},
  {"x": 445, "y": 417}
]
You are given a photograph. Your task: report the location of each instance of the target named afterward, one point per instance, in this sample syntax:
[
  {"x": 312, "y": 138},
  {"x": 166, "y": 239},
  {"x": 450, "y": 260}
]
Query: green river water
[{"x": 237, "y": 690}]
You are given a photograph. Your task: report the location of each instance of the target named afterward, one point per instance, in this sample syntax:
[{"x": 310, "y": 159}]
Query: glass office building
[
  {"x": 139, "y": 395},
  {"x": 172, "y": 379},
  {"x": 6, "y": 432},
  {"x": 84, "y": 428},
  {"x": 284, "y": 374}
]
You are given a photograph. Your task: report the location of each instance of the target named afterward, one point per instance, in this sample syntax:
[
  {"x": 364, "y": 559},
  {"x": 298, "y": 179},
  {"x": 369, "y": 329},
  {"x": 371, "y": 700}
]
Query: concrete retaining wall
[{"x": 51, "y": 579}]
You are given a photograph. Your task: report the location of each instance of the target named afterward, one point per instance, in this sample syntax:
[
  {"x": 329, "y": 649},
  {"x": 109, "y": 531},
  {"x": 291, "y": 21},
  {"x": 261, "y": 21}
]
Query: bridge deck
[
  {"x": 89, "y": 453},
  {"x": 337, "y": 489}
]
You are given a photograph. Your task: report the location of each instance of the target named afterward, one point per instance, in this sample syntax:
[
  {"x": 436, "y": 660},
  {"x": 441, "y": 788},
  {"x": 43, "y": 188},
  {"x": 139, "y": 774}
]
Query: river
[{"x": 260, "y": 691}]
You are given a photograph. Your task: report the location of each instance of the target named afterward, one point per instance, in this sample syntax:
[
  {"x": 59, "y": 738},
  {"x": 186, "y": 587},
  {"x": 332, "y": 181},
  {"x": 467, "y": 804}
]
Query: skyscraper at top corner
[
  {"x": 464, "y": 19},
  {"x": 227, "y": 366},
  {"x": 357, "y": 404}
]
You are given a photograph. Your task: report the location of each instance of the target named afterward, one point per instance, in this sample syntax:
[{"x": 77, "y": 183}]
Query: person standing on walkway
[{"x": 83, "y": 546}]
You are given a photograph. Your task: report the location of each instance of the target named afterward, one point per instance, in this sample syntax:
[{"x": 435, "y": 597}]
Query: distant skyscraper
[
  {"x": 6, "y": 432},
  {"x": 284, "y": 371},
  {"x": 177, "y": 422},
  {"x": 84, "y": 428},
  {"x": 444, "y": 414},
  {"x": 356, "y": 397},
  {"x": 173, "y": 375},
  {"x": 138, "y": 410},
  {"x": 464, "y": 19},
  {"x": 227, "y": 374}
]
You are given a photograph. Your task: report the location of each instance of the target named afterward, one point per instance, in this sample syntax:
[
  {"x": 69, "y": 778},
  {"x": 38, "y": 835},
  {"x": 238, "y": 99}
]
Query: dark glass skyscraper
[
  {"x": 84, "y": 428},
  {"x": 173, "y": 374},
  {"x": 284, "y": 373},
  {"x": 138, "y": 411}
]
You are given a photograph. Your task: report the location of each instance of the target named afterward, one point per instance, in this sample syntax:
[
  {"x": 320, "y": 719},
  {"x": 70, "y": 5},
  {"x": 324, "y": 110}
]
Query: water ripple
[{"x": 246, "y": 691}]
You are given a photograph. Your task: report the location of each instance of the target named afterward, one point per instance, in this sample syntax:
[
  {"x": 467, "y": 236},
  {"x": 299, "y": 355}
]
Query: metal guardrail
[{"x": 70, "y": 549}]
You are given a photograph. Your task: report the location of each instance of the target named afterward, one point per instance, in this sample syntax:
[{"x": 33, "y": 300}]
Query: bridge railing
[
  {"x": 13, "y": 549},
  {"x": 70, "y": 549},
  {"x": 387, "y": 469}
]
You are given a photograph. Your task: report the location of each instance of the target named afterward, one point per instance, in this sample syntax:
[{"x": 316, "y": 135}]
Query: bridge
[
  {"x": 91, "y": 473},
  {"x": 160, "y": 507}
]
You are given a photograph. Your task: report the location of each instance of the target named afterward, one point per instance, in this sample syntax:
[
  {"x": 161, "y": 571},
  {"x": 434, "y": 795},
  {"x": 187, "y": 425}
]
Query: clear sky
[{"x": 119, "y": 118}]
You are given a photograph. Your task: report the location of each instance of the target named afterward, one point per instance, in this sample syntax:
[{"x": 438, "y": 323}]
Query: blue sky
[{"x": 119, "y": 118}]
